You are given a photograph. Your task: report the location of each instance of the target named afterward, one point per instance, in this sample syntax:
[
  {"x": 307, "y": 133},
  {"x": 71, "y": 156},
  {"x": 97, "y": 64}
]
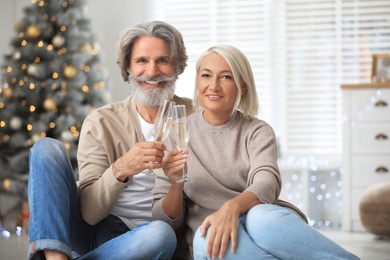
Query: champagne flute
[
  {"x": 162, "y": 124},
  {"x": 180, "y": 133}
]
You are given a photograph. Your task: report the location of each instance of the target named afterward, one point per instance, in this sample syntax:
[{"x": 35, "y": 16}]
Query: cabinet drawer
[
  {"x": 368, "y": 170},
  {"x": 370, "y": 138},
  {"x": 370, "y": 105}
]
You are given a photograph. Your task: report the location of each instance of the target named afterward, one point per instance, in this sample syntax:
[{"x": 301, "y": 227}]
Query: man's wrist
[{"x": 117, "y": 169}]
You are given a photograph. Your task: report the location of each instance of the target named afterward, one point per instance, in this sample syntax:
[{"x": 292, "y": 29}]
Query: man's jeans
[{"x": 56, "y": 222}]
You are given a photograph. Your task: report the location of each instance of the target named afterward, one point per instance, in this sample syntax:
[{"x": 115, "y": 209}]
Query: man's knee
[
  {"x": 163, "y": 233},
  {"x": 47, "y": 146}
]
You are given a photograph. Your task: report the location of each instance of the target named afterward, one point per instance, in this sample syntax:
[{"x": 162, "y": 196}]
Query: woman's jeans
[
  {"x": 56, "y": 222},
  {"x": 273, "y": 232}
]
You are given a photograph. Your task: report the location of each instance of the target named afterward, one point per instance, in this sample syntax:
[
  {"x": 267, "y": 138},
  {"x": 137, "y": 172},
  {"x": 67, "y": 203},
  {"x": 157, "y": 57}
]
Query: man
[{"x": 108, "y": 214}]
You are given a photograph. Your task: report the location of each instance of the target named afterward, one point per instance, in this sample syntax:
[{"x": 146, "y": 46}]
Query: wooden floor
[{"x": 364, "y": 245}]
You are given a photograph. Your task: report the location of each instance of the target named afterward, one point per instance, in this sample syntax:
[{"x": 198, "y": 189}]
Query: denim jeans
[
  {"x": 273, "y": 232},
  {"x": 56, "y": 222}
]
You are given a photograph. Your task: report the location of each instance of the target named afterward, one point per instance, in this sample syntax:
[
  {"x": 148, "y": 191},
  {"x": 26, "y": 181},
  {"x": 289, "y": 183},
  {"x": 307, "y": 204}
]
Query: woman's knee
[
  {"x": 263, "y": 218},
  {"x": 268, "y": 218},
  {"x": 272, "y": 213},
  {"x": 199, "y": 243},
  {"x": 264, "y": 213}
]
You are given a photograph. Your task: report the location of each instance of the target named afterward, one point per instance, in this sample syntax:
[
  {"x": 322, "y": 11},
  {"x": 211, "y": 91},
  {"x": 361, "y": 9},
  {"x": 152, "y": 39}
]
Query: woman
[{"x": 231, "y": 203}]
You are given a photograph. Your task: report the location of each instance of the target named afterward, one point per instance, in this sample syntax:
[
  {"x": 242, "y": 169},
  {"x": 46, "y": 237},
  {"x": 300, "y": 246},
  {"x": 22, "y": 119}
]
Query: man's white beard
[{"x": 152, "y": 96}]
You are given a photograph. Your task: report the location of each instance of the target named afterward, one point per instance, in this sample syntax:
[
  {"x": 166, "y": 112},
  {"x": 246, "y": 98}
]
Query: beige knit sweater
[
  {"x": 224, "y": 161},
  {"x": 107, "y": 134}
]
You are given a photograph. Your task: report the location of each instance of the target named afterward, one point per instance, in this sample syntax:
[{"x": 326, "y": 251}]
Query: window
[{"x": 300, "y": 51}]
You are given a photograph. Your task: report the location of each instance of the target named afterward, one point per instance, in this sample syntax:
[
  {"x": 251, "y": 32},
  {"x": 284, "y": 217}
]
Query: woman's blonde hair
[{"x": 242, "y": 74}]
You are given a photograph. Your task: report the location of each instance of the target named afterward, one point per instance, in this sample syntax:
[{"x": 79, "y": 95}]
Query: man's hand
[{"x": 143, "y": 155}]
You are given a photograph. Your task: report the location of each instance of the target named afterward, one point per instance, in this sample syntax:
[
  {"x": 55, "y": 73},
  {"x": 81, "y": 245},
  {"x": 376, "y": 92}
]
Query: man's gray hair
[{"x": 158, "y": 29}]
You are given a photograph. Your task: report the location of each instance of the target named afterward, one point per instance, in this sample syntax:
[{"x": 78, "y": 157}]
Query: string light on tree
[{"x": 48, "y": 82}]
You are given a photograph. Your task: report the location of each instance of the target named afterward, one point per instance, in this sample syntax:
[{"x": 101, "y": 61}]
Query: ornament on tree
[
  {"x": 50, "y": 104},
  {"x": 19, "y": 26},
  {"x": 16, "y": 55},
  {"x": 33, "y": 70},
  {"x": 15, "y": 186},
  {"x": 15, "y": 123},
  {"x": 58, "y": 41},
  {"x": 84, "y": 11},
  {"x": 33, "y": 31},
  {"x": 8, "y": 92},
  {"x": 6, "y": 185},
  {"x": 40, "y": 84},
  {"x": 67, "y": 136},
  {"x": 70, "y": 71},
  {"x": 85, "y": 47},
  {"x": 35, "y": 138},
  {"x": 96, "y": 46}
]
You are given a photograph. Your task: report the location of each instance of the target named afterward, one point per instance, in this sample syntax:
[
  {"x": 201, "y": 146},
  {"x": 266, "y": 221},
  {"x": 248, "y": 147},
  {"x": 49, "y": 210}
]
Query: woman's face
[{"x": 216, "y": 85}]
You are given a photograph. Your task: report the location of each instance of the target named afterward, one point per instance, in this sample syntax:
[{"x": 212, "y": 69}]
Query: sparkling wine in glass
[
  {"x": 181, "y": 134},
  {"x": 162, "y": 123}
]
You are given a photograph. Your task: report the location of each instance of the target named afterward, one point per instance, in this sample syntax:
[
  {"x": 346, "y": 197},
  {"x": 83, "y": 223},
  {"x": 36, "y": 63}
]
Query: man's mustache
[{"x": 159, "y": 79}]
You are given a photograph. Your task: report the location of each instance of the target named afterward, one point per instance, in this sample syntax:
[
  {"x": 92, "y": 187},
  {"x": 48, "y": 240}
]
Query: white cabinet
[{"x": 366, "y": 145}]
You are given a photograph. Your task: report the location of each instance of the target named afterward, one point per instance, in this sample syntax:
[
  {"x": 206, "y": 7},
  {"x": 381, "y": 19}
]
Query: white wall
[{"x": 107, "y": 18}]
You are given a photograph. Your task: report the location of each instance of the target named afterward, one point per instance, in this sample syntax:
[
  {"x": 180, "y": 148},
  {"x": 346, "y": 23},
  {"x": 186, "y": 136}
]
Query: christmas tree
[{"x": 51, "y": 80}]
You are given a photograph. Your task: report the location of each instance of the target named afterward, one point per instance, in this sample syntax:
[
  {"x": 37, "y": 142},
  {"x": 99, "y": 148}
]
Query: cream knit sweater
[{"x": 224, "y": 161}]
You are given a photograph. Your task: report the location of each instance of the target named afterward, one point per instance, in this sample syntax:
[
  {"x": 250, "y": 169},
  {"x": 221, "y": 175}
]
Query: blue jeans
[
  {"x": 56, "y": 222},
  {"x": 273, "y": 232}
]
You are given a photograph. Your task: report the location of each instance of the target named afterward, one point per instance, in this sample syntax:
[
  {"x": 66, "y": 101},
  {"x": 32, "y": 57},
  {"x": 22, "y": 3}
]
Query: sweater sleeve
[
  {"x": 99, "y": 189},
  {"x": 160, "y": 190},
  {"x": 264, "y": 178}
]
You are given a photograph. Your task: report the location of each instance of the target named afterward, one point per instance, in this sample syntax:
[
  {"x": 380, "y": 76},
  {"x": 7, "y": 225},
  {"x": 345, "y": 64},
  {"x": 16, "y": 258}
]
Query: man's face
[{"x": 151, "y": 73}]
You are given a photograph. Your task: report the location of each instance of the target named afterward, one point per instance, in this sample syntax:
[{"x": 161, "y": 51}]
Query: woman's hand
[
  {"x": 224, "y": 223},
  {"x": 223, "y": 226},
  {"x": 174, "y": 163}
]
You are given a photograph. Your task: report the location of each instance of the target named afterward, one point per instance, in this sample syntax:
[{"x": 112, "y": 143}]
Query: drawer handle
[
  {"x": 381, "y": 137},
  {"x": 381, "y": 103},
  {"x": 382, "y": 170}
]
